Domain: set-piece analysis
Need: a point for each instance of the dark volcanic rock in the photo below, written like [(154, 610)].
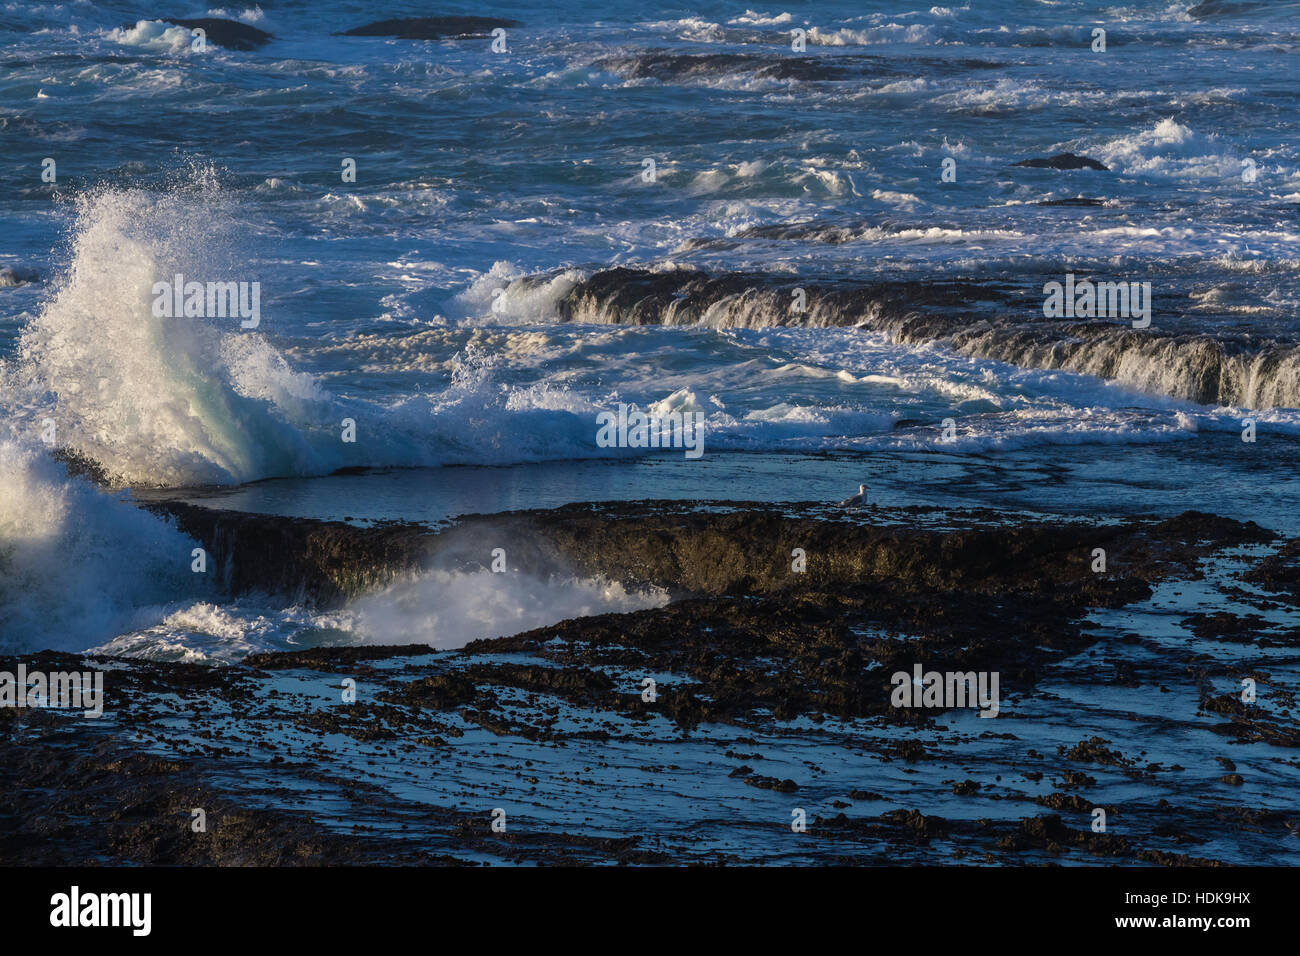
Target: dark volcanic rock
[(324, 561), (772, 783), (1280, 572), (1222, 626), (705, 552), (982, 319), (1062, 161), (685, 297), (1249, 722), (431, 28), (1225, 8), (289, 770), (1094, 750), (741, 609), (665, 66), (228, 33), (80, 466), (668, 66)]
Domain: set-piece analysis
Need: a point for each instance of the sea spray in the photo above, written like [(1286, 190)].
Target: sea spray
[(448, 609), (194, 399), (157, 400), (79, 565)]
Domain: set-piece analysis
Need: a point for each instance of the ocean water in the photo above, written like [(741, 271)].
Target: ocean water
[(423, 300)]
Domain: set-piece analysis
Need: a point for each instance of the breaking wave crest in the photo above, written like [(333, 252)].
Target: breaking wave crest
[(176, 402), (158, 400)]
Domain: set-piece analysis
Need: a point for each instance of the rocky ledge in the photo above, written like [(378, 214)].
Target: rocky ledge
[(753, 719)]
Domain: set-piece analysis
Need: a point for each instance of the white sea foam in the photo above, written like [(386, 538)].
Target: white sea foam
[(154, 35), (204, 632), (253, 14), (482, 300), (752, 18), (157, 400), (1170, 149), (881, 33), (444, 609), (448, 609), (76, 564), (194, 401)]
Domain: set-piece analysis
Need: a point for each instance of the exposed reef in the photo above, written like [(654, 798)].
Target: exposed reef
[(771, 696), (227, 33), (431, 28), (1063, 161)]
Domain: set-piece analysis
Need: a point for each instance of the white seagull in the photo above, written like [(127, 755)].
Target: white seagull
[(857, 500)]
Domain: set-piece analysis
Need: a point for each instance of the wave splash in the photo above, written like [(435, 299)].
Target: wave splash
[(155, 400), (76, 564), (449, 608), (181, 402)]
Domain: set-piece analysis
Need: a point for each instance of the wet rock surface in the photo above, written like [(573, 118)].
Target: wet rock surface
[(993, 319), (1224, 8), (1279, 573), (431, 28), (667, 66), (1073, 201), (1063, 161), (320, 561), (227, 33), (770, 703)]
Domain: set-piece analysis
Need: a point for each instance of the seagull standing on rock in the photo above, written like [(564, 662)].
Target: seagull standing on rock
[(856, 501)]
